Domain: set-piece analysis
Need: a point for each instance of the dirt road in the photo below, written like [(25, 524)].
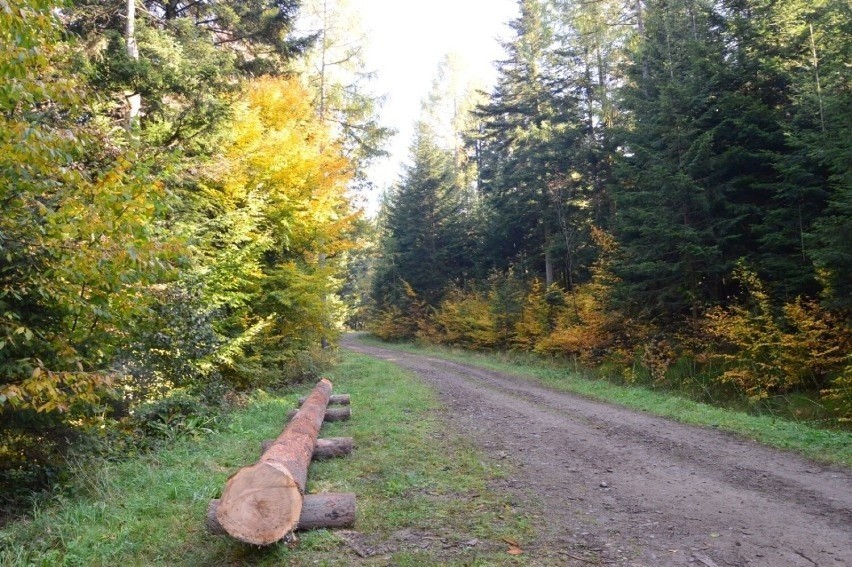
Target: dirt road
[(614, 486)]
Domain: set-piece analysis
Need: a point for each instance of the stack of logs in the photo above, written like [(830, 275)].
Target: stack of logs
[(264, 502)]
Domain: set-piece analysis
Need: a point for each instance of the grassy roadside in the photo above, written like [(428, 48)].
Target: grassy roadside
[(820, 444), (423, 493)]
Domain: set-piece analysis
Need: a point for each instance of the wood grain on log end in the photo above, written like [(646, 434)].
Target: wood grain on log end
[(260, 504)]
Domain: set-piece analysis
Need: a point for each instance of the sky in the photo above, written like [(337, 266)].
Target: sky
[(406, 41)]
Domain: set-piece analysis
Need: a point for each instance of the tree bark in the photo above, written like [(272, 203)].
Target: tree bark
[(261, 503), (134, 99), (324, 449), (334, 399), (330, 510), (331, 414)]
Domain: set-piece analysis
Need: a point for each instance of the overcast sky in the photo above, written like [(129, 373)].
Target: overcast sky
[(407, 40)]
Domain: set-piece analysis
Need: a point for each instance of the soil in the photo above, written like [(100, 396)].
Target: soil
[(607, 485)]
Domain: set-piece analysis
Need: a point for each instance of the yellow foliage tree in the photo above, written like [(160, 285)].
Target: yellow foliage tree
[(584, 327), (281, 224), (412, 319), (840, 392), (534, 322)]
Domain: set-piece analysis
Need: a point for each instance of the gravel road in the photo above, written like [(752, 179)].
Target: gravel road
[(613, 486)]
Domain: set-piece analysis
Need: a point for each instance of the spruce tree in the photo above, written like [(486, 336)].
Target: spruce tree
[(520, 143), (670, 220), (427, 237)]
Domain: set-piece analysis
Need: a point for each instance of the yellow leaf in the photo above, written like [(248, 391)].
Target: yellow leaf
[(513, 550)]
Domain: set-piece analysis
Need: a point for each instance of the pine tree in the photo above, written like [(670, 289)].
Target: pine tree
[(427, 240), (519, 146), (671, 221)]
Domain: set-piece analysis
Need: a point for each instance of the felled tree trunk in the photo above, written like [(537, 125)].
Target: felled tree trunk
[(334, 400), (324, 449), (261, 503), (331, 414), (329, 510)]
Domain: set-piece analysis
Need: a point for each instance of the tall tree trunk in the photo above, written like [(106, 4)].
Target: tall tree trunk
[(815, 60), (640, 27), (548, 257), (134, 99)]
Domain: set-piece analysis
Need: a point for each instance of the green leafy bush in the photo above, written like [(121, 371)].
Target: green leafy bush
[(175, 416)]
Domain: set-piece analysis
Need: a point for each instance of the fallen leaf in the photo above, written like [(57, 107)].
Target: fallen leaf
[(515, 550), (511, 541)]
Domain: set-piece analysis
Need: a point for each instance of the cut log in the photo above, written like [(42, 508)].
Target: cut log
[(330, 510), (331, 414), (261, 503), (334, 400), (333, 447), (324, 449)]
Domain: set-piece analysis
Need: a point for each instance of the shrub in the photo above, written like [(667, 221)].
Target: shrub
[(839, 393), (537, 316), (405, 321), (31, 447), (464, 319), (174, 416), (170, 346), (766, 352), (307, 365)]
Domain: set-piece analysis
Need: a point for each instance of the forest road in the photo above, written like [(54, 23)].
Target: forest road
[(612, 486)]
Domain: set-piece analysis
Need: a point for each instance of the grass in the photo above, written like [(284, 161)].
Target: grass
[(830, 446), (423, 493)]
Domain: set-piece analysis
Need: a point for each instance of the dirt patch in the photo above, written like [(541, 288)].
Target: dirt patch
[(613, 486)]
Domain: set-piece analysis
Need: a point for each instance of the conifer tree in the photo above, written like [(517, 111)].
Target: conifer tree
[(698, 162), (335, 68), (518, 145), (427, 240), (808, 45)]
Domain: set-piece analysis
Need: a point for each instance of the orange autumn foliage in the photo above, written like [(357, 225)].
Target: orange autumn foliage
[(764, 352)]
